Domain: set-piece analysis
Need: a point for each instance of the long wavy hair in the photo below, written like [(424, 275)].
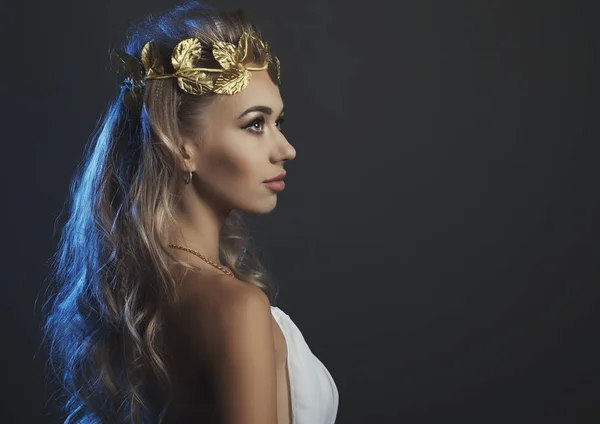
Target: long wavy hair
[(112, 272)]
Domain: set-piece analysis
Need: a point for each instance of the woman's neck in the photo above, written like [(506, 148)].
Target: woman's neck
[(198, 227)]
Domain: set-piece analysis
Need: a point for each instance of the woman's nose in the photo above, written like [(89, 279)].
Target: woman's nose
[(285, 151), (290, 151)]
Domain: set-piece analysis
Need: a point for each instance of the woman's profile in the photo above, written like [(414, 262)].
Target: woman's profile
[(161, 311)]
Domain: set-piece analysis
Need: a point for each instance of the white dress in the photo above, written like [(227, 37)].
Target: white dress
[(313, 392)]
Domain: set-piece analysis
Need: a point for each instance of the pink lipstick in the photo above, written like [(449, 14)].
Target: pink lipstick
[(276, 183)]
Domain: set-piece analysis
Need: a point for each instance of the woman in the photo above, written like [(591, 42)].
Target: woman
[(162, 310)]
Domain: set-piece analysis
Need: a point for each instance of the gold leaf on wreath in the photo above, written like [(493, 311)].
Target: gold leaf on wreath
[(258, 41), (225, 53), (186, 54), (152, 60), (232, 80), (199, 76), (193, 86), (274, 70), (243, 50), (278, 65), (127, 65), (268, 52), (194, 82)]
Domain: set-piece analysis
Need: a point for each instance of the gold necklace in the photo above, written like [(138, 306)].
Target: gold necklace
[(204, 258)]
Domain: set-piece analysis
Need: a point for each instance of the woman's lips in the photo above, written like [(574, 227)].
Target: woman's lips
[(279, 176), (277, 185)]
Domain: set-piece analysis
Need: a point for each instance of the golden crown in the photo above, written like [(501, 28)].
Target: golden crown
[(234, 77)]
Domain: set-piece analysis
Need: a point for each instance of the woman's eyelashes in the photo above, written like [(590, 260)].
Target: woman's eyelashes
[(257, 125)]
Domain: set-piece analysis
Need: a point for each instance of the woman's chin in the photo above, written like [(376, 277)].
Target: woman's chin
[(263, 207)]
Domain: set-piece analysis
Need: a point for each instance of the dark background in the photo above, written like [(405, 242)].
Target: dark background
[(438, 240)]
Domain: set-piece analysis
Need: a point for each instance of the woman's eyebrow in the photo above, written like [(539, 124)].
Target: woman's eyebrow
[(259, 108)]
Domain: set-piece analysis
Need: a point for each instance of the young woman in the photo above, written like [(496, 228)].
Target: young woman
[(162, 311)]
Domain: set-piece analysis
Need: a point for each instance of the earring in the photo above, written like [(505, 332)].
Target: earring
[(187, 178)]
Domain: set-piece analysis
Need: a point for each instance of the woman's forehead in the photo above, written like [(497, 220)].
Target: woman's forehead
[(260, 91)]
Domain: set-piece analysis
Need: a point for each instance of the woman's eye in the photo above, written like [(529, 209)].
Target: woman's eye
[(279, 123), (256, 125)]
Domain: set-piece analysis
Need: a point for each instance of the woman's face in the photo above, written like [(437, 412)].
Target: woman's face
[(240, 145)]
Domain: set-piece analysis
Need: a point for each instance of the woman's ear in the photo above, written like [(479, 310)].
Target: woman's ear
[(188, 152)]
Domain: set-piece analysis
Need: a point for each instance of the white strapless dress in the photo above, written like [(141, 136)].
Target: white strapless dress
[(313, 392)]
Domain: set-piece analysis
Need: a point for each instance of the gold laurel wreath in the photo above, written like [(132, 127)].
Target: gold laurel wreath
[(234, 77)]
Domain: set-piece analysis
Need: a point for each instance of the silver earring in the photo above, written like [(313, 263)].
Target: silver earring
[(187, 178)]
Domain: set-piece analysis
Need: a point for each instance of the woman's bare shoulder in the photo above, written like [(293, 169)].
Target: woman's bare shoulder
[(216, 293), (213, 305), (230, 326)]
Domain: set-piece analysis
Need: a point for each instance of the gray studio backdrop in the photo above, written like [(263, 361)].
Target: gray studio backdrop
[(437, 243)]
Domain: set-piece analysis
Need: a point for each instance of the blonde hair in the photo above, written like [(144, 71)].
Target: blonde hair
[(111, 276)]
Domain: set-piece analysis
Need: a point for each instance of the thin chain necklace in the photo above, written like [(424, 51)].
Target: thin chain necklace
[(204, 258)]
